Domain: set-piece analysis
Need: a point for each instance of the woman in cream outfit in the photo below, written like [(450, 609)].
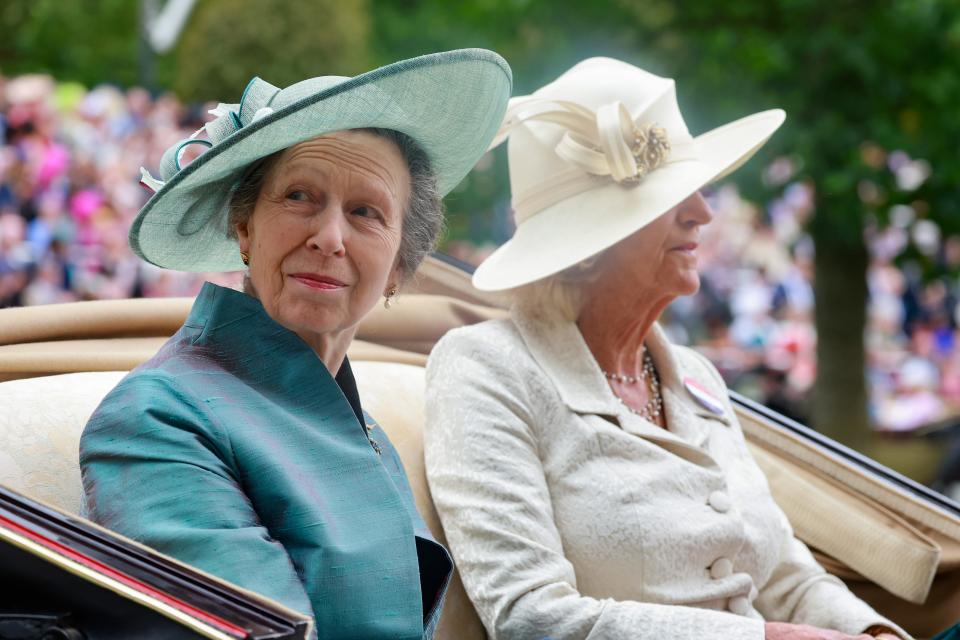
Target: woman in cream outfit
[(592, 478)]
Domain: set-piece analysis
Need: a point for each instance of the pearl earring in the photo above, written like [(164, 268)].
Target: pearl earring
[(388, 301)]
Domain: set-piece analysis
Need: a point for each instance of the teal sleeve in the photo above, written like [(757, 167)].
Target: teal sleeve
[(158, 469)]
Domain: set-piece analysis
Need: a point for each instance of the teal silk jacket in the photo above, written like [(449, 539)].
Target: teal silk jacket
[(235, 450)]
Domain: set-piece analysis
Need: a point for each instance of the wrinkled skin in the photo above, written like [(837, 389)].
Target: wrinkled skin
[(324, 235)]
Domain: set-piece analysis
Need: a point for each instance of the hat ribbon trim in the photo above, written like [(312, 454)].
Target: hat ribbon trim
[(228, 119), (602, 145), (605, 142), (559, 187)]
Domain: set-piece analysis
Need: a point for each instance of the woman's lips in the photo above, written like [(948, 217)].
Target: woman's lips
[(318, 282), (689, 247)]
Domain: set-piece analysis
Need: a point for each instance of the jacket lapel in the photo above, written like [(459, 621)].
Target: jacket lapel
[(562, 353)]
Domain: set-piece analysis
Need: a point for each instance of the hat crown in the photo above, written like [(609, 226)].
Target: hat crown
[(599, 81), (260, 99), (535, 147)]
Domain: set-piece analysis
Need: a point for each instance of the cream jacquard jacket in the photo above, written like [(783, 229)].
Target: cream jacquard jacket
[(571, 518)]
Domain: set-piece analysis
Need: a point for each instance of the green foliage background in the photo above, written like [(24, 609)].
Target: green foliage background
[(230, 41), (88, 41)]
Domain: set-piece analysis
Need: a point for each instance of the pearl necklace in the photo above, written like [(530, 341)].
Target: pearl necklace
[(654, 407)]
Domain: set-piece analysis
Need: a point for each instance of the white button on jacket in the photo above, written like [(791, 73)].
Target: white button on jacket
[(721, 568), (720, 501), (739, 605), (571, 518)]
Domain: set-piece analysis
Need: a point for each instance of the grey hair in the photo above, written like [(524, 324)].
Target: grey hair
[(423, 214), (560, 295)]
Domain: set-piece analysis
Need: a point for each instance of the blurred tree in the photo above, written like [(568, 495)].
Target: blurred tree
[(87, 41), (227, 42), (539, 38)]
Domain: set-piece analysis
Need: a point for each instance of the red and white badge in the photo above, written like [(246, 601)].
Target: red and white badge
[(704, 397)]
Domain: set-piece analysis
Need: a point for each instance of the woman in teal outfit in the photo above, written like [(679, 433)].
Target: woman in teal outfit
[(241, 447)]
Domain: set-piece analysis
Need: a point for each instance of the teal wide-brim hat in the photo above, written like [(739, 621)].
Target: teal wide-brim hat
[(450, 103)]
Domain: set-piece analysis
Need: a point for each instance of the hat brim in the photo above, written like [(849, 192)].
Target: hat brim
[(450, 103), (583, 225)]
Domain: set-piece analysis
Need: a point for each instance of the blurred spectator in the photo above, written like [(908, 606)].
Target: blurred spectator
[(69, 168), (915, 401)]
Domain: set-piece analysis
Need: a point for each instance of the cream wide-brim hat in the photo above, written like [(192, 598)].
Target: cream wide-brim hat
[(584, 173), (450, 103)]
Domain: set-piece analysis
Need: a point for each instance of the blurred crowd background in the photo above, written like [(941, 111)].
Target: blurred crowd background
[(69, 171), (831, 274)]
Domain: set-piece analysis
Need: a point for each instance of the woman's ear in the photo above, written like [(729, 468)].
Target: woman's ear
[(395, 279), (243, 235)]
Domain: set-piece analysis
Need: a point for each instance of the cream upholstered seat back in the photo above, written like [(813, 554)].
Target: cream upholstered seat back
[(40, 428), (393, 394), (43, 417)]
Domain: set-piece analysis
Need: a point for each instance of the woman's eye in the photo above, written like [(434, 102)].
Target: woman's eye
[(364, 212), (299, 196)]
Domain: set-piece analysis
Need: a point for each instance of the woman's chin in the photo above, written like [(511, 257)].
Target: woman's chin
[(311, 317), (688, 286)]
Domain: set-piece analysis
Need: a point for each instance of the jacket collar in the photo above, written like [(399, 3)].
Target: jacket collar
[(255, 346), (559, 348), (228, 316)]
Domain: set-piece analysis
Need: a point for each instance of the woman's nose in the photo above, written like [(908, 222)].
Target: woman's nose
[(328, 233), (694, 211)]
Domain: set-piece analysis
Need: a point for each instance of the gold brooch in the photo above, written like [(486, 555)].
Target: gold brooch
[(650, 149)]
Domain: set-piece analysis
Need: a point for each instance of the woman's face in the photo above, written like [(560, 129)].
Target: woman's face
[(324, 233), (659, 260)]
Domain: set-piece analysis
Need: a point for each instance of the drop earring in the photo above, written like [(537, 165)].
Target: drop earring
[(388, 300), (245, 257)]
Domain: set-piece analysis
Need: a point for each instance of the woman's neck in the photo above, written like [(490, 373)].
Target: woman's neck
[(615, 329), (331, 347)]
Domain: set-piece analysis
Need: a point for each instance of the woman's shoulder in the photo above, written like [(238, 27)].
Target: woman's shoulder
[(155, 392), (158, 377), (144, 388), (484, 340), (488, 356)]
